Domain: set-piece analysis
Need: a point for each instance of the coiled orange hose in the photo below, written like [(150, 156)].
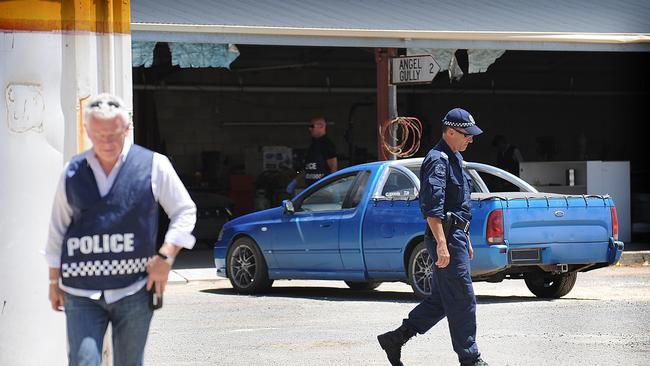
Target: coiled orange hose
[(406, 132)]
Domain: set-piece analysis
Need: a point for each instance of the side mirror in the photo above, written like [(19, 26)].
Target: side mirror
[(288, 206)]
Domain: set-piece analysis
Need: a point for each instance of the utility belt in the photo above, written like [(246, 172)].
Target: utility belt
[(452, 221), (455, 221)]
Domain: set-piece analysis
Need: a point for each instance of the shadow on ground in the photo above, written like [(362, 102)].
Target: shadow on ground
[(343, 294)]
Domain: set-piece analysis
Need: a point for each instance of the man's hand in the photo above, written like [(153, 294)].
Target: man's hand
[(469, 246), (56, 297), (158, 271), (435, 224), (443, 255)]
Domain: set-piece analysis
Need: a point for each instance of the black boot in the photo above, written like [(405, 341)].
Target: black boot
[(478, 362), (393, 341)]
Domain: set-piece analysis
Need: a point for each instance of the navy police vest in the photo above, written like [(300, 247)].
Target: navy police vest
[(110, 238)]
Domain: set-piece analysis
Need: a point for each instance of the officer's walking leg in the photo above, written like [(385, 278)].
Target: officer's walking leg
[(431, 310), (462, 323), (421, 318), (460, 302)]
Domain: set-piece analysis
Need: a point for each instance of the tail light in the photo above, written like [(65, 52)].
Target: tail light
[(614, 223), (494, 231)]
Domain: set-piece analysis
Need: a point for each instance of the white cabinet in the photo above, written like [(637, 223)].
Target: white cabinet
[(590, 177)]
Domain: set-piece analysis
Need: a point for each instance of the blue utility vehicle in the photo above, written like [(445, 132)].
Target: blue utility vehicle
[(363, 225)]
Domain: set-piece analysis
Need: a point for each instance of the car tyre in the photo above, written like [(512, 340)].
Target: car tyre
[(363, 285), (247, 270), (551, 287), (420, 270)]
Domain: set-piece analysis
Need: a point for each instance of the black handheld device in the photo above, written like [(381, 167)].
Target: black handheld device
[(155, 301), (446, 223)]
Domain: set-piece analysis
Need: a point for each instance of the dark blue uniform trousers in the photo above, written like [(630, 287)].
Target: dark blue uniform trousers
[(452, 295)]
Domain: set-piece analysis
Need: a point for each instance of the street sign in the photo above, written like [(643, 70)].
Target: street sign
[(414, 69)]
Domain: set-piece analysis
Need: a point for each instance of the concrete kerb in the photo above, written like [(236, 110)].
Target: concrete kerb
[(175, 278), (641, 257), (181, 276)]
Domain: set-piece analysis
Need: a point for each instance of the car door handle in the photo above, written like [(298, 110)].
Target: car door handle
[(326, 224)]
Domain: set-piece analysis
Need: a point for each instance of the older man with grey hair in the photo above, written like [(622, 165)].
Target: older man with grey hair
[(101, 249)]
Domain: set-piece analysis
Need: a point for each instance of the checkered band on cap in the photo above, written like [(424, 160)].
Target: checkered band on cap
[(468, 122), (456, 124), (104, 267)]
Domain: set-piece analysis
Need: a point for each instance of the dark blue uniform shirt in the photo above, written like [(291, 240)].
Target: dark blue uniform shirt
[(444, 186), (320, 151)]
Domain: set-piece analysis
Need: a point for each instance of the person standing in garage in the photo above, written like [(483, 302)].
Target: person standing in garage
[(508, 155), (320, 159), (445, 203), (101, 245), (508, 158)]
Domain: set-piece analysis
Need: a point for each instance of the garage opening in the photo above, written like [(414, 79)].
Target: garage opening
[(238, 135)]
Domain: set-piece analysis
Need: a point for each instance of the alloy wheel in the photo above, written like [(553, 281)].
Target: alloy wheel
[(243, 266), (421, 272)]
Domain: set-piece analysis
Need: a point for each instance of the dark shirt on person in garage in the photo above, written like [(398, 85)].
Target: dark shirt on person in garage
[(316, 167)]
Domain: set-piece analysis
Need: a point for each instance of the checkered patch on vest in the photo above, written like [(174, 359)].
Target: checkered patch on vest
[(104, 267)]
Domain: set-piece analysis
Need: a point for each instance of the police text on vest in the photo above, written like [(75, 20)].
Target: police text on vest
[(109, 243)]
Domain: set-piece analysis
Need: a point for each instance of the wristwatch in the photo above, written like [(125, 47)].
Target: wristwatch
[(166, 258)]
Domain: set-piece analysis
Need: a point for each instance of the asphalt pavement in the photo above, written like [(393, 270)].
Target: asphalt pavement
[(602, 321)]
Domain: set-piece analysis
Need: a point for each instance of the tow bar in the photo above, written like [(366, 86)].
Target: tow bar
[(561, 268)]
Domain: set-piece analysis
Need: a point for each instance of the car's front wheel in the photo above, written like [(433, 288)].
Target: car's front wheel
[(551, 287), (363, 285), (247, 270), (420, 270)]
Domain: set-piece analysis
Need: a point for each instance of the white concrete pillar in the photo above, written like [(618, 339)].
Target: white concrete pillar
[(53, 56)]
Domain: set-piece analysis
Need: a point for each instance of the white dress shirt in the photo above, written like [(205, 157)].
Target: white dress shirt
[(167, 189)]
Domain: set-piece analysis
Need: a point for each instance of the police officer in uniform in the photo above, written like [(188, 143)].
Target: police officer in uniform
[(320, 159), (101, 249), (445, 202)]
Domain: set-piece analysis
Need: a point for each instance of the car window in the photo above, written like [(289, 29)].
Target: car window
[(359, 190), (398, 185), (330, 196), (414, 168), (497, 184)]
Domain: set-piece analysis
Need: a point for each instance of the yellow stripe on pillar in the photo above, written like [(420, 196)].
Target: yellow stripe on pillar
[(100, 16)]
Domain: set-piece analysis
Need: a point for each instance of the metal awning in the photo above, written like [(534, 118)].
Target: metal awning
[(570, 25)]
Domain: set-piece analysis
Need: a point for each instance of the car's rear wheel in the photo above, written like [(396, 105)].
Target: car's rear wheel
[(247, 270), (420, 270), (551, 287), (363, 285)]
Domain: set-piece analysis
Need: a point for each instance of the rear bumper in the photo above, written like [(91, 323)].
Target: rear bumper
[(489, 260), (615, 250), (574, 253), (220, 261)]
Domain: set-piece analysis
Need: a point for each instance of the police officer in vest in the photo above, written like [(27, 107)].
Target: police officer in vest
[(101, 245), (445, 202)]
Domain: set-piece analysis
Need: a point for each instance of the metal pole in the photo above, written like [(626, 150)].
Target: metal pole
[(392, 114)]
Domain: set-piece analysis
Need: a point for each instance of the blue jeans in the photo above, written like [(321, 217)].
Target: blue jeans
[(87, 320)]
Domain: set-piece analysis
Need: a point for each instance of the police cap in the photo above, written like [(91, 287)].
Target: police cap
[(460, 118)]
